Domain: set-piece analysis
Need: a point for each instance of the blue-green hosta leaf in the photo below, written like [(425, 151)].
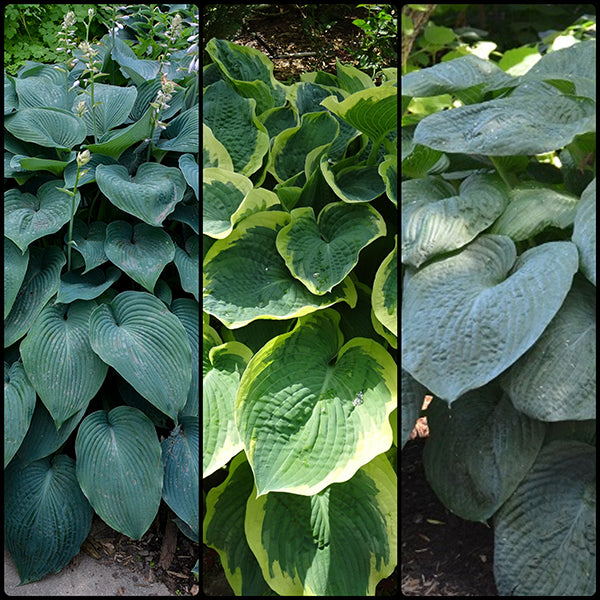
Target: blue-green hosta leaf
[(385, 291), (181, 134), (48, 127), (545, 533), (75, 285), (113, 105), (188, 265), (479, 451), (89, 242), (223, 367), (120, 448), (534, 208), (292, 146), (584, 231), (245, 278), (468, 317), (141, 251), (139, 70), (28, 217), (534, 119), (339, 542), (41, 282), (411, 400), (233, 122), (191, 172), (322, 252), (56, 167), (556, 379), (46, 517), (59, 361), (435, 221), (222, 195), (223, 530), (318, 420), (15, 267), (147, 345), (181, 467), (19, 404), (373, 111), (151, 195)]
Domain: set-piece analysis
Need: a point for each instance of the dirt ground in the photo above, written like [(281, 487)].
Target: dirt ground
[(441, 554)]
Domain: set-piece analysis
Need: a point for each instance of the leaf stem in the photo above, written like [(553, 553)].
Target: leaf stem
[(501, 171)]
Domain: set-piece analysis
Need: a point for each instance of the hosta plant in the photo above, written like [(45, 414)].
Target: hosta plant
[(101, 303), (300, 325), (499, 305)]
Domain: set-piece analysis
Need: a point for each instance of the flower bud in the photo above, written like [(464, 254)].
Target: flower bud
[(83, 158)]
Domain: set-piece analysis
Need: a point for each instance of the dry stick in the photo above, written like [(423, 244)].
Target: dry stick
[(419, 19)]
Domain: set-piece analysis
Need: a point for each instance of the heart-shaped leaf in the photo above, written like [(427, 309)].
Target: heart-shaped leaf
[(46, 517), (151, 195), (147, 345), (468, 317), (59, 361), (120, 448), (85, 286), (141, 251), (28, 217), (89, 242), (327, 417), (584, 231), (321, 253), (188, 265)]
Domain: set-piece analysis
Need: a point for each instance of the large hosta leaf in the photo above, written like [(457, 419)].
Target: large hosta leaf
[(413, 394), (28, 217), (322, 252), (59, 361), (188, 265), (147, 345), (556, 379), (245, 278), (385, 291), (141, 251), (90, 243), (545, 534), (181, 465), (15, 267), (338, 542), (436, 220), (75, 285), (151, 195), (48, 127), (324, 415), (19, 404), (46, 517), (534, 119), (120, 449), (479, 451), (584, 232), (468, 317)]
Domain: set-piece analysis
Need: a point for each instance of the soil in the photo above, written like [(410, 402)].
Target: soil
[(441, 554), (162, 541)]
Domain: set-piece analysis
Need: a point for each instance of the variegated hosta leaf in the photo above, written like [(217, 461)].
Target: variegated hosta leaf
[(233, 122), (46, 517), (223, 368), (436, 222), (245, 278), (385, 291), (28, 217), (214, 154), (323, 415), (181, 481), (48, 127), (584, 232), (468, 317), (556, 379), (59, 360), (15, 267), (120, 448), (388, 170), (147, 345), (478, 451), (151, 195), (223, 530), (141, 251), (19, 404), (41, 282), (322, 252), (339, 542)]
